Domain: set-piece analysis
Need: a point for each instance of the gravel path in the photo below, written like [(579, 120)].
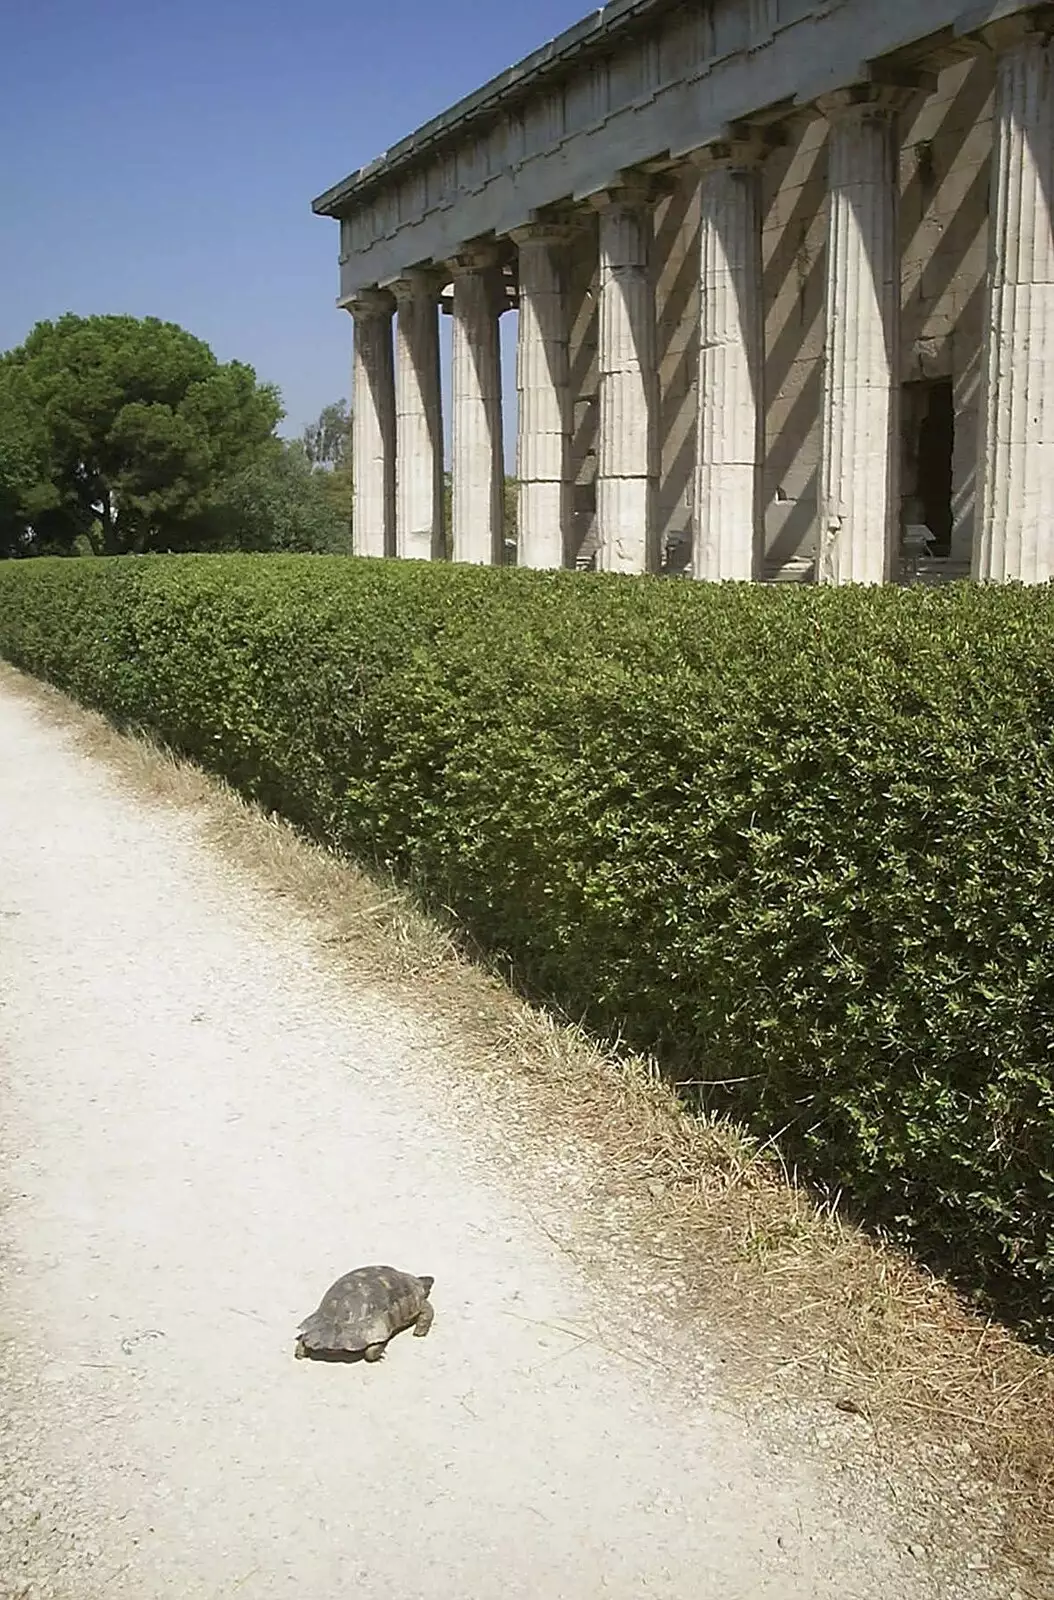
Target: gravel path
[(201, 1127)]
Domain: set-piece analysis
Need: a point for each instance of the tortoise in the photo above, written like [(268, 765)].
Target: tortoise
[(363, 1310)]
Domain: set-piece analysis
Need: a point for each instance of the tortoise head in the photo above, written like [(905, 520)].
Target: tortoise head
[(426, 1285)]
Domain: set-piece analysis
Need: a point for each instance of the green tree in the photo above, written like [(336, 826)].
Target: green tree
[(327, 445), (275, 502), (28, 501), (18, 471), (129, 427), (512, 510)]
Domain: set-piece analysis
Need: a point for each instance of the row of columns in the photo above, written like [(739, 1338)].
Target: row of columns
[(397, 422)]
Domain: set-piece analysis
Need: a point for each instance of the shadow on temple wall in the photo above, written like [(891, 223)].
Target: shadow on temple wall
[(793, 289), (945, 175), (933, 146), (677, 349), (944, 206), (944, 209), (931, 151), (790, 526), (582, 286), (426, 361), (967, 446), (640, 316)]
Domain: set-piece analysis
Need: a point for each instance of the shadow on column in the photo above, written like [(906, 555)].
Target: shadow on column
[(427, 370), (583, 319), (677, 359), (793, 295)]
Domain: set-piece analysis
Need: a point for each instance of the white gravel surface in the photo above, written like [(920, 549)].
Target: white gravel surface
[(200, 1127)]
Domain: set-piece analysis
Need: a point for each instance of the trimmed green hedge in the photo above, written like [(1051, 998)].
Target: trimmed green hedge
[(800, 839)]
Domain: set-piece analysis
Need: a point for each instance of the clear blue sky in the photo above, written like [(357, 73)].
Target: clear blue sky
[(160, 159)]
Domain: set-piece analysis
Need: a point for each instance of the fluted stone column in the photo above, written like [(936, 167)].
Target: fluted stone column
[(1015, 512), (627, 427), (477, 463), (373, 425), (418, 419), (730, 428), (543, 382), (859, 513)]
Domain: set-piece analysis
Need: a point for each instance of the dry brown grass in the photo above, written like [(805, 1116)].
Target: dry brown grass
[(812, 1312)]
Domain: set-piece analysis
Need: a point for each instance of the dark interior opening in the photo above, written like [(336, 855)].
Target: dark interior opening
[(930, 420)]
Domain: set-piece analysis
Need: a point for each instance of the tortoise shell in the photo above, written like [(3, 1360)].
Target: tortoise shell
[(363, 1310)]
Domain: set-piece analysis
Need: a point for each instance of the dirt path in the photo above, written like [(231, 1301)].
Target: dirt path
[(200, 1128)]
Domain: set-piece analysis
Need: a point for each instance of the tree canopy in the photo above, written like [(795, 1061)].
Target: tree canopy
[(327, 445), (120, 434), (276, 502)]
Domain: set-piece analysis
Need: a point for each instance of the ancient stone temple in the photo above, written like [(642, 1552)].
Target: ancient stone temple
[(784, 278)]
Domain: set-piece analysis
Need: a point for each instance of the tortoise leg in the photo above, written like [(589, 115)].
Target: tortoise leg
[(373, 1352), (425, 1320), (301, 1350)]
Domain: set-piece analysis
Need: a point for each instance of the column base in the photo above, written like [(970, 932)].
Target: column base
[(541, 520), (625, 514)]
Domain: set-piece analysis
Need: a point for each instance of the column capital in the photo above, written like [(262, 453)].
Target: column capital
[(545, 231), (367, 303), (476, 257), (881, 97), (418, 283), (631, 191), (742, 145), (1035, 23)]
